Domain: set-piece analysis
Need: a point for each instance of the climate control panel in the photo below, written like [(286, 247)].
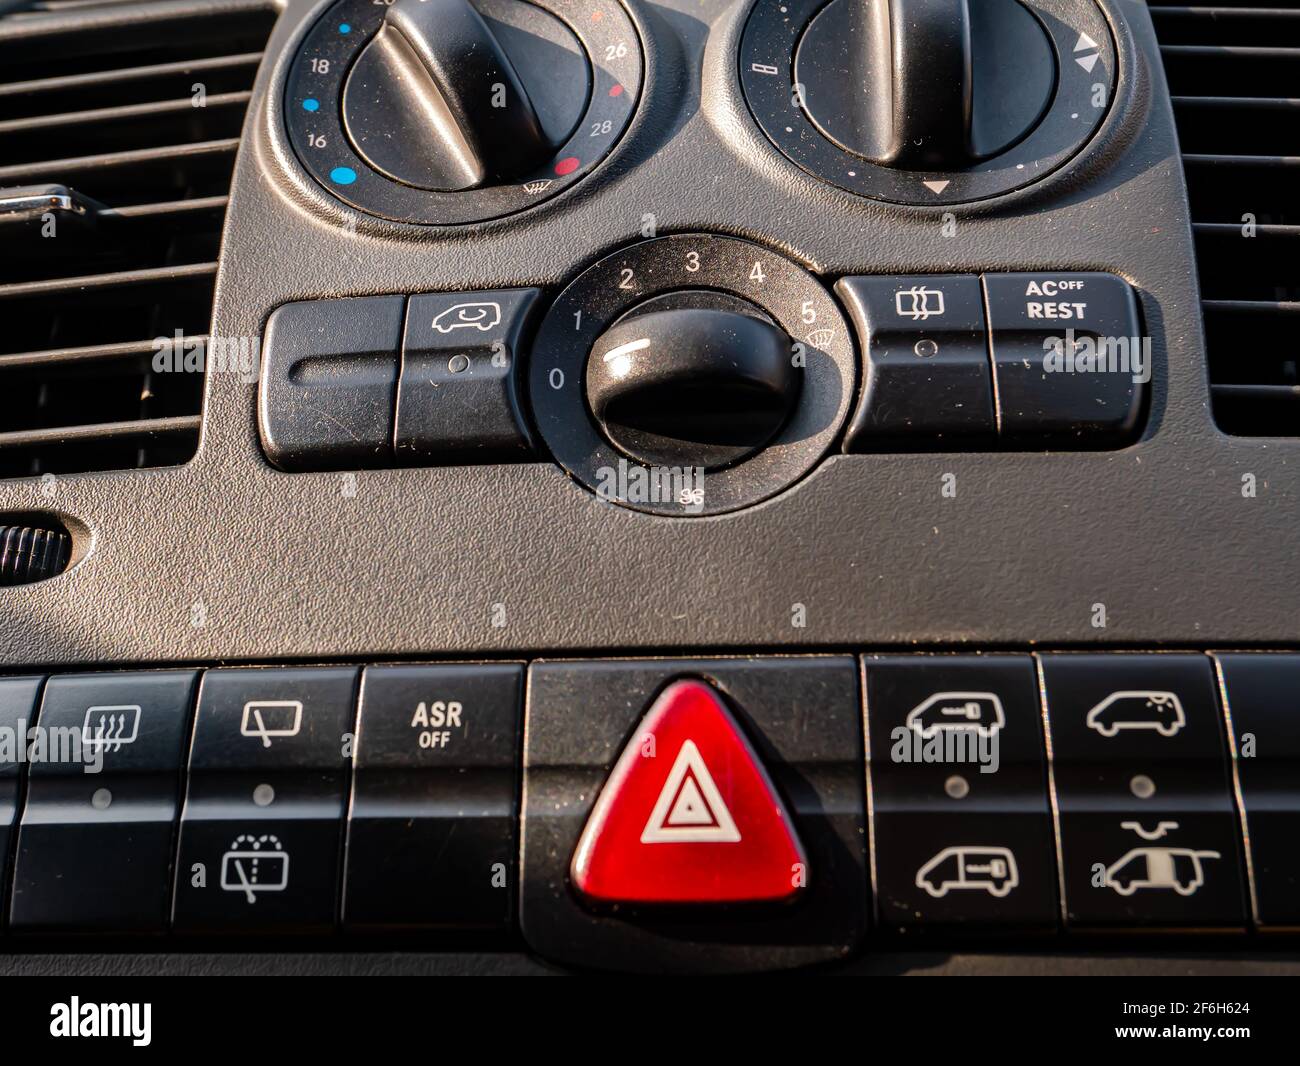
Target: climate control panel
[(697, 374)]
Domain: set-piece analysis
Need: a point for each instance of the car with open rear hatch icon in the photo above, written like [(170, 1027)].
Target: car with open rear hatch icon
[(1180, 869)]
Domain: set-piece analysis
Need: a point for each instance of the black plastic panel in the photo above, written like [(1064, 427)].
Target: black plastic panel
[(1182, 539)]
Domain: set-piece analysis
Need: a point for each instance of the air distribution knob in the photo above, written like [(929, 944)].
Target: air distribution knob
[(450, 95), (693, 378), (925, 84)]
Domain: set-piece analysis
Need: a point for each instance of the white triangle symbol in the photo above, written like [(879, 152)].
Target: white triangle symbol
[(936, 186), (690, 809), (1088, 62), (1085, 42)]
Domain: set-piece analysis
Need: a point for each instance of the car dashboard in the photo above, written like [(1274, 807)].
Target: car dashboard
[(698, 486)]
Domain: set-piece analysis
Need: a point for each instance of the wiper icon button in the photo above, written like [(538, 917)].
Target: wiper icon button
[(271, 718)]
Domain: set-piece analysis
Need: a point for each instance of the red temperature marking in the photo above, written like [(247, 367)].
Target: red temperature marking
[(567, 165)]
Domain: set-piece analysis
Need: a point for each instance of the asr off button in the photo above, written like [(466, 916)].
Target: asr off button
[(1070, 362), (433, 824)]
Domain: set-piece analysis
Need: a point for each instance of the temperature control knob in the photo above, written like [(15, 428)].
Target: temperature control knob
[(446, 112), (445, 97)]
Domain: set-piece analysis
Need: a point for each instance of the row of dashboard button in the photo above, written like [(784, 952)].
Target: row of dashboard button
[(387, 797), (957, 360), (422, 761), (377, 380), (950, 361), (1146, 825)]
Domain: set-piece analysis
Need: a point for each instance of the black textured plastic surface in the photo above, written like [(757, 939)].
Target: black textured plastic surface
[(1160, 533), (224, 557)]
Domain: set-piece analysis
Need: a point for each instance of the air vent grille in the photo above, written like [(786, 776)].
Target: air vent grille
[(119, 123), (1234, 72)]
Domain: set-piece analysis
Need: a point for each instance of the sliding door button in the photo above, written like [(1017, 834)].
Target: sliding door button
[(95, 843), (1263, 693), (1149, 830), (961, 828), (433, 830), (262, 825)]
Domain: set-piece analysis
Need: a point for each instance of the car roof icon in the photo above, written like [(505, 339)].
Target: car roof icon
[(1166, 712)]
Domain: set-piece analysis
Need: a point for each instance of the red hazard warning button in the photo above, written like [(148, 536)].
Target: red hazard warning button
[(689, 814)]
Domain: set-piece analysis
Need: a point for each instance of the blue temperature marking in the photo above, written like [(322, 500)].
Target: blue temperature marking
[(343, 175), (344, 28), (311, 104)]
